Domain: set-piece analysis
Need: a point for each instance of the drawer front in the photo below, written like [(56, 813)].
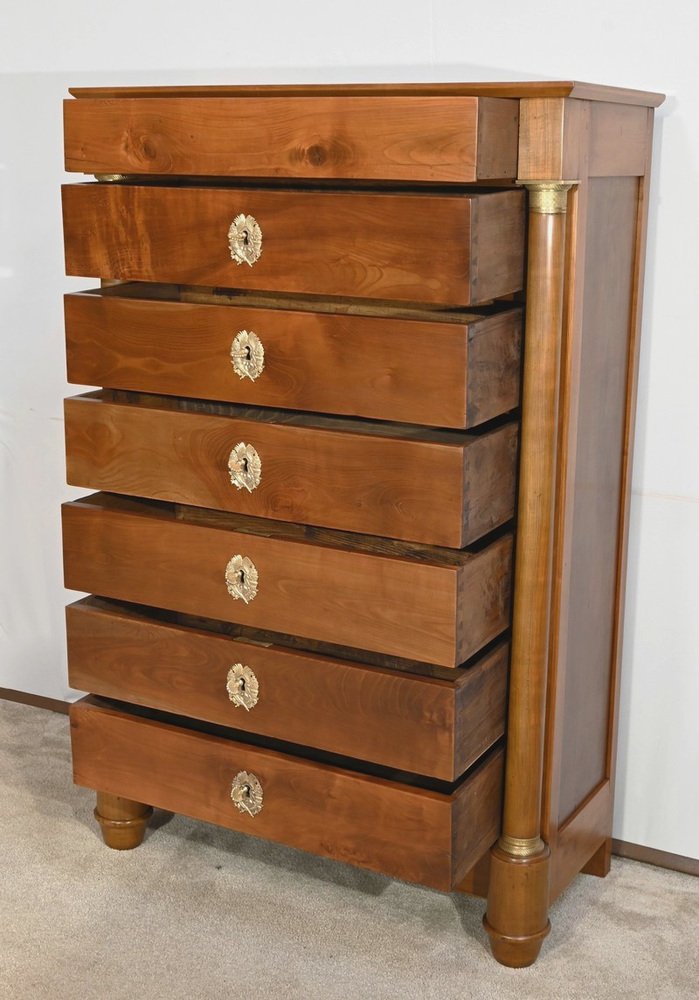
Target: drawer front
[(455, 374), (442, 139), (438, 488), (413, 247), (399, 830), (431, 605), (399, 720)]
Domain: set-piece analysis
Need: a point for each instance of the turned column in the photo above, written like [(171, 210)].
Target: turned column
[(122, 821), (517, 914)]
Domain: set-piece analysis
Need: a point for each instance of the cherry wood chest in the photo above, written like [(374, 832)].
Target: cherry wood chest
[(365, 360)]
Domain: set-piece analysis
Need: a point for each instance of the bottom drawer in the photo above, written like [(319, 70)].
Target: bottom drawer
[(415, 834)]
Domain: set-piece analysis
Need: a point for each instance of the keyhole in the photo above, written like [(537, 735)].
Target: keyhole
[(241, 684), (246, 237)]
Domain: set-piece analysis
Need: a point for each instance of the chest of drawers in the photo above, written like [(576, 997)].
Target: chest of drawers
[(366, 359)]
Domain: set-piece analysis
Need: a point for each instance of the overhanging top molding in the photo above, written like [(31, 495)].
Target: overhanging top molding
[(581, 91)]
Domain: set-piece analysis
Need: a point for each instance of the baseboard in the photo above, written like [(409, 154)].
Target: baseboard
[(650, 856), (35, 700)]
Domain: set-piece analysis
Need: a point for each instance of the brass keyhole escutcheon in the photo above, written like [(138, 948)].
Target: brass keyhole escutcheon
[(246, 793), (245, 467), (242, 686), (245, 240), (247, 355), (241, 578)]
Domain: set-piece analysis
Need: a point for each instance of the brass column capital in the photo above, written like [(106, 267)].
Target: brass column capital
[(548, 197)]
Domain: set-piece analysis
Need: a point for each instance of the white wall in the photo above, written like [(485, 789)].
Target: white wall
[(45, 47)]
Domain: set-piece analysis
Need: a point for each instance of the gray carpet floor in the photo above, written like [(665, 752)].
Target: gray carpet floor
[(199, 912)]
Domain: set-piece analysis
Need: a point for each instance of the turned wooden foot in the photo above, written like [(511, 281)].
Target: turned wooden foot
[(517, 917), (122, 821), (601, 861)]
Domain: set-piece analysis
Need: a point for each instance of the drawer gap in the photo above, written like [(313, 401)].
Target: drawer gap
[(297, 418), (491, 185), (287, 530), (244, 633), (295, 750), (336, 305)]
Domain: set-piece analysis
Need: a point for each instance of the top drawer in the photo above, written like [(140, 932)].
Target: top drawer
[(413, 139)]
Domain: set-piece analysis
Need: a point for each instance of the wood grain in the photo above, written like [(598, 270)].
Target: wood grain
[(405, 247), (596, 501), (579, 837), (122, 821), (521, 89), (439, 608), (418, 724), (399, 830), (383, 367), (535, 526), (437, 139), (397, 482), (618, 140)]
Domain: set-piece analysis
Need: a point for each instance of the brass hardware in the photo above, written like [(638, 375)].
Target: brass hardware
[(246, 793), (521, 847), (247, 355), (548, 197), (245, 467), (241, 579), (109, 178), (242, 686), (245, 240)]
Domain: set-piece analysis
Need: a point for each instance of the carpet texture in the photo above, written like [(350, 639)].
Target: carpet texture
[(199, 912)]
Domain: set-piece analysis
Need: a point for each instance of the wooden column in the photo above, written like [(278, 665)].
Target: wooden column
[(517, 916)]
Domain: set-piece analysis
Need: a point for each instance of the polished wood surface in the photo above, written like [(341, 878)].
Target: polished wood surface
[(579, 838), (518, 901), (596, 499), (618, 141), (530, 626), (382, 825), (435, 605), (522, 89), (516, 919), (605, 246), (594, 816), (411, 247), (419, 724), (383, 367), (413, 138), (409, 483), (365, 305), (122, 821)]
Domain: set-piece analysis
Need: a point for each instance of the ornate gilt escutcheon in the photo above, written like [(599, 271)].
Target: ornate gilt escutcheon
[(246, 793), (245, 240), (241, 578), (242, 686), (245, 467), (247, 355)]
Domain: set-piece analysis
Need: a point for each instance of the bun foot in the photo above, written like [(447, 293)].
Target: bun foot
[(122, 821)]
